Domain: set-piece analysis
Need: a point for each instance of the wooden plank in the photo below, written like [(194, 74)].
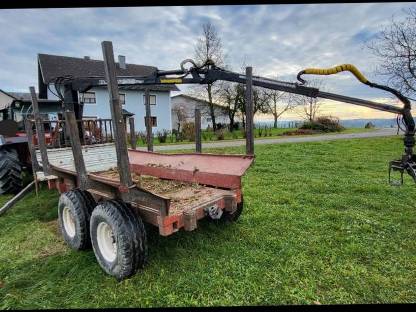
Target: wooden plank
[(32, 150), (76, 148), (133, 138), (9, 204), (40, 131), (198, 143), (249, 112), (117, 116), (149, 133)]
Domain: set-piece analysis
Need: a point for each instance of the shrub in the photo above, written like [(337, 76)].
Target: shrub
[(220, 134), (260, 131), (162, 136), (188, 131), (369, 125), (323, 124), (142, 136), (301, 132)]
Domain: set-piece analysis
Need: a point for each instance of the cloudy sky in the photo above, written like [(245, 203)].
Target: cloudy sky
[(277, 40)]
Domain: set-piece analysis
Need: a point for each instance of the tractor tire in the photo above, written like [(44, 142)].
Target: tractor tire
[(74, 212), (232, 217), (118, 239), (10, 171)]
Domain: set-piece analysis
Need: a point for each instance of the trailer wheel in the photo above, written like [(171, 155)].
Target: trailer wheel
[(118, 239), (232, 217), (10, 171), (74, 211)]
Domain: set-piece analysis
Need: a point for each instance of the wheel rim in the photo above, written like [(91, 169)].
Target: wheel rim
[(106, 241), (69, 222)]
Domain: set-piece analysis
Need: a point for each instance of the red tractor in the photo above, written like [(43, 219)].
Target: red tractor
[(14, 154)]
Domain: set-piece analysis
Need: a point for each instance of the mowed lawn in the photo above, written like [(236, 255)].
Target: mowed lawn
[(320, 225)]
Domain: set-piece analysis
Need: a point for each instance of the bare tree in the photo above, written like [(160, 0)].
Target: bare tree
[(278, 103), (181, 117), (310, 106), (260, 99), (395, 47), (209, 47), (231, 99)]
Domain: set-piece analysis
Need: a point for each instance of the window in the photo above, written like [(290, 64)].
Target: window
[(209, 119), (153, 121), (87, 97), (152, 99), (122, 99)]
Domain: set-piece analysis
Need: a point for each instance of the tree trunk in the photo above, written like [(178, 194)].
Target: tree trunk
[(275, 121), (231, 124)]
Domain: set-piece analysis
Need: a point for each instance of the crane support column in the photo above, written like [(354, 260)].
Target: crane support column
[(249, 112)]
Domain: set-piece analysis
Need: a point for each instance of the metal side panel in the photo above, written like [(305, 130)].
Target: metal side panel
[(97, 157)]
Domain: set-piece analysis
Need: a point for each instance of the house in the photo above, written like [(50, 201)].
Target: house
[(183, 107), (96, 100), (15, 105)]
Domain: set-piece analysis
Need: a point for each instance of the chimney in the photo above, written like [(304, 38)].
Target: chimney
[(122, 61), (86, 57)]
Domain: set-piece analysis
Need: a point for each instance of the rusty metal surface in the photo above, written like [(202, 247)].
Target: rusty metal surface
[(210, 169), (216, 170)]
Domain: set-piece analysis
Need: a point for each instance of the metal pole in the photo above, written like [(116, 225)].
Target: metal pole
[(198, 144), (117, 117), (249, 112), (148, 122)]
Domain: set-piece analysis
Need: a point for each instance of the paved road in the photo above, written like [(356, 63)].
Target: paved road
[(315, 138)]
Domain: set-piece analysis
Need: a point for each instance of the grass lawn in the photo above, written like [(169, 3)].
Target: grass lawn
[(320, 225), (209, 136)]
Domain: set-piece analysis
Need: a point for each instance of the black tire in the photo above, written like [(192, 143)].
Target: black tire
[(127, 251), (74, 212), (232, 217), (10, 171)]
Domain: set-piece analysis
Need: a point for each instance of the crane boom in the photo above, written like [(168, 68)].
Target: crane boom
[(209, 73)]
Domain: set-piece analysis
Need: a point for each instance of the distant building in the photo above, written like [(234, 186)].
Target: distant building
[(96, 100), (15, 105), (187, 104)]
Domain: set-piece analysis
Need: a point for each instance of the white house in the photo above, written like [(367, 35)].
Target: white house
[(186, 105), (96, 100)]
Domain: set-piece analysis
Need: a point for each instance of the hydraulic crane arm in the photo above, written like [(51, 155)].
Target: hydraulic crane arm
[(209, 73)]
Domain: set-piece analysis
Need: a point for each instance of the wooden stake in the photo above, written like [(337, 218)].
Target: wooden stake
[(198, 144), (148, 122), (117, 117)]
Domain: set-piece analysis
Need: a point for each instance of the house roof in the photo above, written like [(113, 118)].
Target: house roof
[(53, 66), (199, 100), (21, 97), (127, 113)]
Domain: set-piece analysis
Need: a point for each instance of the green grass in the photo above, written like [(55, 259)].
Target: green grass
[(209, 136), (320, 224)]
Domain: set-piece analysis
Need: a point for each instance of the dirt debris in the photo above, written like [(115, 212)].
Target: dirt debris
[(158, 165), (164, 187)]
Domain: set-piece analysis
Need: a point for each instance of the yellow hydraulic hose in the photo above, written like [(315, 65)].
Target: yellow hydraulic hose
[(334, 70), (354, 70)]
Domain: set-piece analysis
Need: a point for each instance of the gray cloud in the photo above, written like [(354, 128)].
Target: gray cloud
[(277, 40)]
